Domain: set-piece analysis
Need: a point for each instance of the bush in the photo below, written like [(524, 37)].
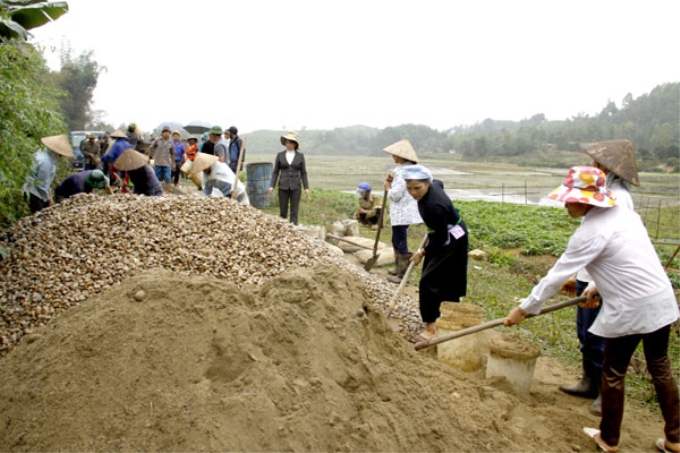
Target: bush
[(28, 111)]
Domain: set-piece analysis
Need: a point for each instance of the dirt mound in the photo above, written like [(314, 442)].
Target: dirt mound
[(66, 254), (304, 362)]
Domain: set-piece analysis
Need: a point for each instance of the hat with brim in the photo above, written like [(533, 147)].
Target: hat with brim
[(192, 137), (291, 136), (216, 130), (96, 179), (585, 185), (130, 160), (618, 156), (202, 161), (403, 149), (118, 134), (59, 144)]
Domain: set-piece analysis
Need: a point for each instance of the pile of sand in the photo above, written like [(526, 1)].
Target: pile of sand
[(304, 362)]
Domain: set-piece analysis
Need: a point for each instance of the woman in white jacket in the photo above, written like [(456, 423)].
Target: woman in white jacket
[(403, 208)]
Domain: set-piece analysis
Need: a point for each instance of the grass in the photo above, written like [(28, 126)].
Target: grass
[(522, 243)]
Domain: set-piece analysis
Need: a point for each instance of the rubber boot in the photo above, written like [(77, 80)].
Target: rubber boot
[(395, 270), (585, 388), (596, 407), (402, 265)]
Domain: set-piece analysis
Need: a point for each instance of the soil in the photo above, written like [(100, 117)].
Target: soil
[(304, 362)]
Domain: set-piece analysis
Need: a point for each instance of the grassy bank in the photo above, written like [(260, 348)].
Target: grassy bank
[(522, 243)]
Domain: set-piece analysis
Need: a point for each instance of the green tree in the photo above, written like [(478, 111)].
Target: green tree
[(77, 78), (29, 110), (19, 16)]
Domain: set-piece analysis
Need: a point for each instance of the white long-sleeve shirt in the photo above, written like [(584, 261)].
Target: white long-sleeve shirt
[(222, 178), (623, 199), (613, 245), (403, 207)]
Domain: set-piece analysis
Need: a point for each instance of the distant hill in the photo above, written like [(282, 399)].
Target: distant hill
[(651, 122)]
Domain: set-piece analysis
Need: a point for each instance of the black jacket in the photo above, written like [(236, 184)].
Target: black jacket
[(438, 213), (291, 175)]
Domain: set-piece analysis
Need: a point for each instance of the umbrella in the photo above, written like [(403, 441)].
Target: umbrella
[(198, 127), (173, 125)]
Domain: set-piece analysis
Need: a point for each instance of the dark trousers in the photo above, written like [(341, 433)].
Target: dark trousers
[(617, 355), (370, 220), (592, 346), (36, 203), (400, 239), (89, 166), (176, 172), (294, 197)]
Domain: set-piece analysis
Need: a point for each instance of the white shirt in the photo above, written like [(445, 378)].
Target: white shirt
[(623, 199), (220, 171), (290, 155), (613, 245), (403, 207)]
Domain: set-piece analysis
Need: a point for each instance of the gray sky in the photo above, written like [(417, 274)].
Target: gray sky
[(264, 64)]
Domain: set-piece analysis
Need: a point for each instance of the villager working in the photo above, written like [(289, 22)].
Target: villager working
[(82, 182), (92, 152), (218, 175), (290, 166), (606, 155), (370, 206), (38, 182), (403, 208), (638, 300), (444, 275), (141, 174)]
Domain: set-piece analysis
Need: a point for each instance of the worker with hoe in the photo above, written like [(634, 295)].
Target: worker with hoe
[(370, 206), (444, 276), (638, 303), (218, 175), (38, 182), (82, 182), (616, 159), (121, 144), (141, 174), (403, 208)]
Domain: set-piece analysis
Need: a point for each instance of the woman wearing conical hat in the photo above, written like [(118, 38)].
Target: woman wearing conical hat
[(403, 208), (290, 171), (616, 159), (38, 182), (141, 174)]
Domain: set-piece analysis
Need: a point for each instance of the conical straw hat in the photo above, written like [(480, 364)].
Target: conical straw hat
[(130, 160), (118, 134), (618, 156), (201, 162), (402, 149), (59, 144)]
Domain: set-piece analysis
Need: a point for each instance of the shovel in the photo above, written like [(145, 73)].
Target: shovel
[(372, 260), (494, 323), (394, 322), (356, 244)]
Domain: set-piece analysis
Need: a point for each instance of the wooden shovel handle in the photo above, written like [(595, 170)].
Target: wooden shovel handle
[(395, 296), (380, 224), (494, 323), (356, 244)]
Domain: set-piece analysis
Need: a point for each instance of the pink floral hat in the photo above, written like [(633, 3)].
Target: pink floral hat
[(584, 185)]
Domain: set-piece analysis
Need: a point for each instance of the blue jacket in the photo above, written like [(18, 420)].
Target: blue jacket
[(116, 150)]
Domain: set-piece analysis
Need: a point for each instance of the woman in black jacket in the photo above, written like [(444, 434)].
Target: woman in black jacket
[(444, 277), (290, 166)]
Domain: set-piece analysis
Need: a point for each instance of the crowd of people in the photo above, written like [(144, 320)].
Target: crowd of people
[(609, 259)]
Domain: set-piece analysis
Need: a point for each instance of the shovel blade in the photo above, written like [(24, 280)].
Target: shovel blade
[(395, 323), (371, 262)]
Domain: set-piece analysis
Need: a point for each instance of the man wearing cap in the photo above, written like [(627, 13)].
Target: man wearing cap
[(180, 156), (370, 206), (92, 152), (132, 135), (38, 182), (82, 182), (220, 145), (638, 305), (163, 153), (235, 148), (218, 175), (617, 155), (141, 174)]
